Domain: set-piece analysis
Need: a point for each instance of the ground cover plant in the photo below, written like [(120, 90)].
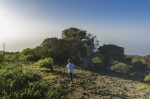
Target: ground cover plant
[(17, 82), (23, 81)]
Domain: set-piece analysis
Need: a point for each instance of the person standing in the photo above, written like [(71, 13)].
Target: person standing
[(70, 67)]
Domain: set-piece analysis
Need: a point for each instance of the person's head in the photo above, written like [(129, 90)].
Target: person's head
[(69, 61)]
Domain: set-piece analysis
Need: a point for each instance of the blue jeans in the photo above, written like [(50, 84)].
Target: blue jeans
[(70, 75)]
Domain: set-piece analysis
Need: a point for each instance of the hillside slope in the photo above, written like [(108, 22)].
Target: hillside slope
[(108, 87), (88, 85)]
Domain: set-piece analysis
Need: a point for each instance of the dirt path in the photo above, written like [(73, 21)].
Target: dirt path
[(89, 86), (118, 88)]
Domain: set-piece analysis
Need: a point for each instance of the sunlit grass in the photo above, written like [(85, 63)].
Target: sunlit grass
[(85, 80)]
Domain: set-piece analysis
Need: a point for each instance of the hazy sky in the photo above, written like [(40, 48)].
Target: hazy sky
[(26, 23)]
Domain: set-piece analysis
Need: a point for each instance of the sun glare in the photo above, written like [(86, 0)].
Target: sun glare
[(7, 25)]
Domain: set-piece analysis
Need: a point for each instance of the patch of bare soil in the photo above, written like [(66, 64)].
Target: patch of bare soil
[(89, 85)]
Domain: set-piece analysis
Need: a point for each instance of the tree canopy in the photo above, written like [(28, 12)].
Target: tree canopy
[(72, 45), (112, 53), (60, 49), (74, 33)]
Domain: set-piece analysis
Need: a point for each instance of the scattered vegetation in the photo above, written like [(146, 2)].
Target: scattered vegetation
[(27, 74), (16, 82)]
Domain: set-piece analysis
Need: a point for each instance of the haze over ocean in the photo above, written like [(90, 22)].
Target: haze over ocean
[(26, 23)]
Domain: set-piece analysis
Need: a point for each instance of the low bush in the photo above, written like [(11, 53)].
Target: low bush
[(13, 79), (97, 63), (11, 57), (47, 63), (57, 92), (147, 78), (121, 67), (17, 83)]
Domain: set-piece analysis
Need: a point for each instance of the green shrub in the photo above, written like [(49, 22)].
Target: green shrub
[(18, 83), (13, 79), (136, 58), (34, 90), (96, 62), (56, 92), (11, 58), (28, 54), (147, 78), (121, 67), (23, 58), (47, 62), (146, 60), (16, 77)]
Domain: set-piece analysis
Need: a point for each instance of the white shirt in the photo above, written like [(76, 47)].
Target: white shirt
[(70, 67)]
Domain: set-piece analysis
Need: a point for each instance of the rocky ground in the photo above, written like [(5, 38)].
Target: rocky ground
[(112, 86), (102, 85)]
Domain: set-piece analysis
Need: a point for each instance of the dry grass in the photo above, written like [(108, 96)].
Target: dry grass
[(88, 85)]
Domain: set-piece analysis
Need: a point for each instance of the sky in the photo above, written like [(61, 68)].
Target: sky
[(125, 23)]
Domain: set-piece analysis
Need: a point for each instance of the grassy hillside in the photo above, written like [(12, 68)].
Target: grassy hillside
[(21, 81)]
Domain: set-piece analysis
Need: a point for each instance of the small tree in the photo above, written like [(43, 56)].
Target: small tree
[(113, 53)]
